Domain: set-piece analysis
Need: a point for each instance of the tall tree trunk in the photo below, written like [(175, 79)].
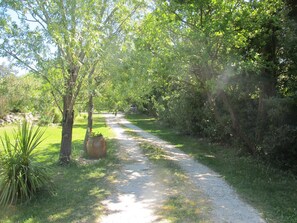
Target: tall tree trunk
[(90, 120), (68, 114), (67, 125)]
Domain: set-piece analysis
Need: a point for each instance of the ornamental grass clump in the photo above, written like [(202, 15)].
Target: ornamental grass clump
[(20, 175)]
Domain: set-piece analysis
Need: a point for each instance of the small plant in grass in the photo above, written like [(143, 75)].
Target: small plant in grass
[(96, 134), (20, 175)]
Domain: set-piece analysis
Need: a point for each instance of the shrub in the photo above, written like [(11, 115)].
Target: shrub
[(183, 109), (20, 176), (280, 147), (44, 120), (51, 116)]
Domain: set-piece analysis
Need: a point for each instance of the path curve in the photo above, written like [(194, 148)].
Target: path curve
[(226, 204)]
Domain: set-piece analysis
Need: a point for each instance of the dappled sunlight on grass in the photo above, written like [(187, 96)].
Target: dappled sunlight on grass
[(97, 174), (78, 193), (60, 215), (179, 208), (79, 187)]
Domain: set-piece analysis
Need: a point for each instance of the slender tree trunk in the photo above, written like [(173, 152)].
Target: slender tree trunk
[(90, 120), (67, 125), (90, 107)]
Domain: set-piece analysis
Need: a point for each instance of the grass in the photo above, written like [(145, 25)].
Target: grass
[(181, 205), (273, 192), (79, 187)]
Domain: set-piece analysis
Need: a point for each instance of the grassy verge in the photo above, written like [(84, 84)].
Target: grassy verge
[(79, 187), (272, 191)]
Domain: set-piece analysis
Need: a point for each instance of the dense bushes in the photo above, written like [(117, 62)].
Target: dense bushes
[(183, 111), (52, 115), (280, 147), (239, 124), (231, 80)]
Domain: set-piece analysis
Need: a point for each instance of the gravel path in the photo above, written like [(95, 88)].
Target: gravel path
[(139, 195)]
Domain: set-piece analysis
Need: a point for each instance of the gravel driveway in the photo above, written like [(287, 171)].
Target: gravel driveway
[(139, 194)]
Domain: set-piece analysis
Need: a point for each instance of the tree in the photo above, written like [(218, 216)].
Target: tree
[(5, 74), (60, 41), (14, 90), (230, 56)]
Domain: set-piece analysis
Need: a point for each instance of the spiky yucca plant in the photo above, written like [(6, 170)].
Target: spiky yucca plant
[(20, 175)]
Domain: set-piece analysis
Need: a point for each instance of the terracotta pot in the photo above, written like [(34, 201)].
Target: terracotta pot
[(96, 147)]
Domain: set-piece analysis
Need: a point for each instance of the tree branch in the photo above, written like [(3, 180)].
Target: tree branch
[(56, 101), (184, 21)]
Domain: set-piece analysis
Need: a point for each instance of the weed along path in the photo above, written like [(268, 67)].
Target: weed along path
[(148, 191)]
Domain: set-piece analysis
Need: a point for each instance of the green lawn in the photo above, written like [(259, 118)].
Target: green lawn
[(79, 187), (272, 191)]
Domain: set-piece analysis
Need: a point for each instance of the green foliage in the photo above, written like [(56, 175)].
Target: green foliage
[(50, 116), (79, 203), (232, 80), (225, 70), (20, 176), (183, 109), (153, 152), (19, 93), (270, 190), (280, 147), (96, 134), (214, 129), (65, 46)]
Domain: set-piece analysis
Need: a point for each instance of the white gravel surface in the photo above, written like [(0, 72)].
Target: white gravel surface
[(139, 194)]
